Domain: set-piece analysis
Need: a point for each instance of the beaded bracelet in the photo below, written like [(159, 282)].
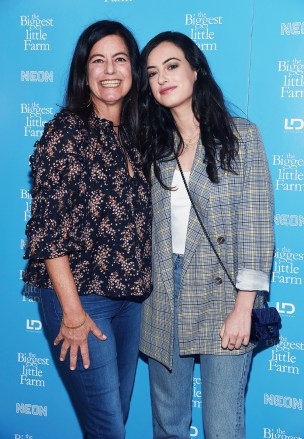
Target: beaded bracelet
[(76, 326)]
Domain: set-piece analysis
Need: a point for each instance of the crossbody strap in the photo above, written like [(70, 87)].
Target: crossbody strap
[(203, 227)]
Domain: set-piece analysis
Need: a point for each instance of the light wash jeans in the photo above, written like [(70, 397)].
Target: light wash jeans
[(102, 393), (224, 380)]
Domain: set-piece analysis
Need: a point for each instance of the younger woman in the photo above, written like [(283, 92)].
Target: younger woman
[(194, 309)]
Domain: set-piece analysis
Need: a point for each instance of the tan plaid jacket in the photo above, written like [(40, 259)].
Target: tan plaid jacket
[(238, 215)]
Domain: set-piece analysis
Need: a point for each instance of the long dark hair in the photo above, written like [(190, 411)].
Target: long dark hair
[(156, 138), (77, 97)]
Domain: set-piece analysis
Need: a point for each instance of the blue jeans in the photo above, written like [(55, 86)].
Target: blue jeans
[(102, 393), (224, 380)]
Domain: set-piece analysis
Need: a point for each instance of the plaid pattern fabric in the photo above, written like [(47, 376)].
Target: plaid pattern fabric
[(238, 215)]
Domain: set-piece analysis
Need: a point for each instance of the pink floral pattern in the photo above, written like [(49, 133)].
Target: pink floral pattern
[(87, 206)]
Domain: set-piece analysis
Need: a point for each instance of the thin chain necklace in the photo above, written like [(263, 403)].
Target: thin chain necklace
[(191, 142)]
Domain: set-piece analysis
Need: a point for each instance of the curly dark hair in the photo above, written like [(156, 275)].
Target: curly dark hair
[(157, 125)]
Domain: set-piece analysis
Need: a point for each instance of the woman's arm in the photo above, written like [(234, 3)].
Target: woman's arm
[(236, 328), (58, 204), (73, 313), (57, 217), (254, 235)]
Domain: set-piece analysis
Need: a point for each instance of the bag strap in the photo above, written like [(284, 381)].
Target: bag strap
[(203, 227)]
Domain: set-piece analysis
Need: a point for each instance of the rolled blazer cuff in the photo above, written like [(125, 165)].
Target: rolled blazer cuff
[(252, 280)]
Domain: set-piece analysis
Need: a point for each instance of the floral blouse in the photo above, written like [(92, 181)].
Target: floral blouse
[(87, 206)]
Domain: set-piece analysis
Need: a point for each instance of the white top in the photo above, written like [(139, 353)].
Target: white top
[(180, 211)]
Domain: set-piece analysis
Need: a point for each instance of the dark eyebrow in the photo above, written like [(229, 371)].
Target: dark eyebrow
[(170, 59), (164, 62), (115, 54)]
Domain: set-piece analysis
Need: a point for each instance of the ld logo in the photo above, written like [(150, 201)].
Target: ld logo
[(33, 325), (285, 308), (294, 124)]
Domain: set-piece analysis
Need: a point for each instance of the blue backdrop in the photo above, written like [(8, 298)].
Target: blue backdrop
[(255, 48)]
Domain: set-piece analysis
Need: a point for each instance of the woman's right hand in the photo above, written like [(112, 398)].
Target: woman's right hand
[(76, 339)]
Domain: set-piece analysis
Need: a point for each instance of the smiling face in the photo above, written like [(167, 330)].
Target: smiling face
[(109, 73), (171, 77)]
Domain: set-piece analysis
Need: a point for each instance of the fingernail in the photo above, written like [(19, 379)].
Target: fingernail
[(86, 366), (104, 337), (61, 359), (72, 368)]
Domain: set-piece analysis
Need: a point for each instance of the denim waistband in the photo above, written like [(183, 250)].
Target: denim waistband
[(177, 260)]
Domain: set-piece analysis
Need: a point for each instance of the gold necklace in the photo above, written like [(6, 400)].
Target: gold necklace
[(191, 142)]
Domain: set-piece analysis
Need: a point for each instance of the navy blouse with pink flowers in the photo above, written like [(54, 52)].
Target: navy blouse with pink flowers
[(87, 206)]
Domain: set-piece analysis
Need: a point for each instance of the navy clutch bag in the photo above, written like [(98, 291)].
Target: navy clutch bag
[(265, 324)]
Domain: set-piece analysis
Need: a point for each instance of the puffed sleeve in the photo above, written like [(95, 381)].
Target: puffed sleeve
[(59, 188), (255, 217)]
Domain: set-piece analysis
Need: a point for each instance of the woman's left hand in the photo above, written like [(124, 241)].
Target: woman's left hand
[(236, 328)]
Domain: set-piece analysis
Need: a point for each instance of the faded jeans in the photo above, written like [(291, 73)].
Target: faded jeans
[(224, 380)]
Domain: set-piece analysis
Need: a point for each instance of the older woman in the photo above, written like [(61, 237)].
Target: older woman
[(194, 309), (89, 234)]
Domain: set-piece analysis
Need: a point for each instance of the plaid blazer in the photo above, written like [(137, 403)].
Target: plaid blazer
[(238, 215)]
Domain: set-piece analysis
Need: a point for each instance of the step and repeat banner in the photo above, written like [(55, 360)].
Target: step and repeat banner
[(256, 51)]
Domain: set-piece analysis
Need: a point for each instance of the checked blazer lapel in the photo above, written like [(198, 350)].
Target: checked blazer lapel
[(162, 217), (198, 185), (162, 223)]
